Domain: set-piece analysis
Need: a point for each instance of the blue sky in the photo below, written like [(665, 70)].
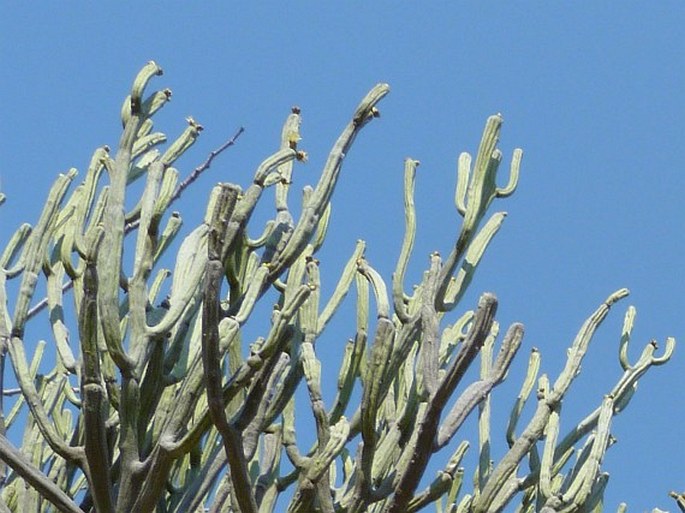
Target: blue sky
[(592, 92)]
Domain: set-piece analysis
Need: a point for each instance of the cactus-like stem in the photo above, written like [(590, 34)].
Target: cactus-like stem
[(321, 229), (314, 208), (429, 351), (290, 136), (408, 241), (13, 250), (547, 462), (114, 220), (211, 356), (581, 487), (463, 175), (448, 479), (17, 461), (378, 285), (484, 461), (421, 446), (475, 191), (622, 392), (581, 343), (36, 248), (180, 145), (371, 396), (145, 249), (474, 254), (515, 168), (59, 328), (341, 288), (476, 392), (93, 393), (353, 362), (526, 388), (548, 400)]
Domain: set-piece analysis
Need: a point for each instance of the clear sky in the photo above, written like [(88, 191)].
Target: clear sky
[(592, 91)]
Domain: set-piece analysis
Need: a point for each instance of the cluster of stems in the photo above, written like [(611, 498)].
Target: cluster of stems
[(156, 401)]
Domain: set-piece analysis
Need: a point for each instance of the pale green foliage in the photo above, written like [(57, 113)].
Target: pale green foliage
[(151, 405)]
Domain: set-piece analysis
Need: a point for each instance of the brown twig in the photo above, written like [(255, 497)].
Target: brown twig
[(194, 175), (205, 165)]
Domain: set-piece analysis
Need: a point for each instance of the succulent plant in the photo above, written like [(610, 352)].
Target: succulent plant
[(160, 404)]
